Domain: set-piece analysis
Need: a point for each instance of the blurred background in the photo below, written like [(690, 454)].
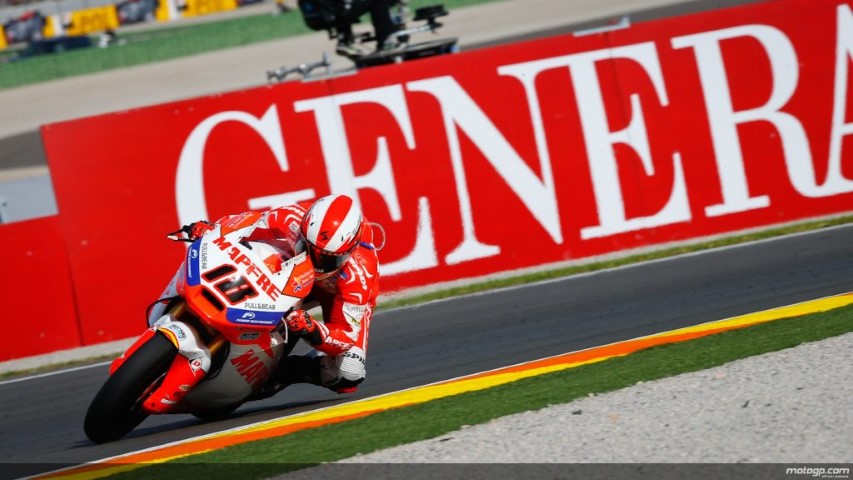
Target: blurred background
[(66, 59), (97, 35)]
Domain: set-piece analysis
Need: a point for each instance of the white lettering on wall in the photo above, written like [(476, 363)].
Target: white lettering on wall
[(342, 179), (785, 68), (550, 216), (423, 255), (535, 187), (600, 142), (836, 182), (460, 112), (189, 184), (724, 120)]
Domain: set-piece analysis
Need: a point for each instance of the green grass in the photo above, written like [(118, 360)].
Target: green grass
[(264, 458), (167, 43)]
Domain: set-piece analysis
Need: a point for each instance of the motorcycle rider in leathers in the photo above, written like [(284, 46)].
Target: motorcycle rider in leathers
[(339, 243)]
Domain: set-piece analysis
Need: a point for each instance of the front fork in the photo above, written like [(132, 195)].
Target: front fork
[(187, 370), (189, 367)]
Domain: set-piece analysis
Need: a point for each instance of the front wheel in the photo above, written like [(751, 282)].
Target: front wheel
[(117, 407)]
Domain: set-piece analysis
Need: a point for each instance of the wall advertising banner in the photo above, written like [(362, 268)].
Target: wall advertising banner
[(37, 290), (483, 161)]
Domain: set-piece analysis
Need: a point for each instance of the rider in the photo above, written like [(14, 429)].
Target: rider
[(338, 241)]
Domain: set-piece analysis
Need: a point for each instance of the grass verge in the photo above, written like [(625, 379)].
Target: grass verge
[(265, 458), (166, 43)]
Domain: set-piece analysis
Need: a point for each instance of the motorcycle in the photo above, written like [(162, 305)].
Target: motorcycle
[(322, 14), (223, 324)]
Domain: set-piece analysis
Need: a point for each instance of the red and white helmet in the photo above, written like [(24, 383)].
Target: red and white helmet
[(331, 228)]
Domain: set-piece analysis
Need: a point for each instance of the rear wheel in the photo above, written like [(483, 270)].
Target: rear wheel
[(215, 414), (117, 407)]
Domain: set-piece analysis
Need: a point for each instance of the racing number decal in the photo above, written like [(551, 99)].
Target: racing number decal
[(219, 272), (235, 289)]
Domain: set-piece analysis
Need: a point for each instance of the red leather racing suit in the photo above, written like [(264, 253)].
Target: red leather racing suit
[(347, 297)]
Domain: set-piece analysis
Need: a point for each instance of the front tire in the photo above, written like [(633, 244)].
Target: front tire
[(117, 407)]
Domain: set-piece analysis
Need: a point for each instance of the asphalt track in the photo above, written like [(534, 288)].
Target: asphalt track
[(41, 418)]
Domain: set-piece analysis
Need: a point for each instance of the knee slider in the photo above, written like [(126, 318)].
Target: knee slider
[(348, 367), (352, 366)]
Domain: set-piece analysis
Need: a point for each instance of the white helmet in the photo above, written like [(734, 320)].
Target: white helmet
[(332, 228)]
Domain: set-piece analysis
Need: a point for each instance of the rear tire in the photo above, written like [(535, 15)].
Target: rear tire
[(215, 414), (117, 407)]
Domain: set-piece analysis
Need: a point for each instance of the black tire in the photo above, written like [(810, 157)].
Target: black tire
[(215, 414), (117, 407)]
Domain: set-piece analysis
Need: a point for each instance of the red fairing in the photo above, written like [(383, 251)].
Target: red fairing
[(183, 375)]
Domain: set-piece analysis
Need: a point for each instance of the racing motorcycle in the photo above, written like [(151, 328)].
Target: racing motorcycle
[(225, 319)]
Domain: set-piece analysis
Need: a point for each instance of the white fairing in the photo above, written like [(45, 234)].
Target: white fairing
[(171, 290), (190, 344), (228, 386)]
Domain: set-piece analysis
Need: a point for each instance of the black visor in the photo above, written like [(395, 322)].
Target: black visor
[(325, 262)]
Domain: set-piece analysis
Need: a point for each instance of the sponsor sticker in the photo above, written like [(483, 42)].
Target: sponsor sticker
[(354, 313), (178, 331), (250, 335), (253, 317), (193, 267)]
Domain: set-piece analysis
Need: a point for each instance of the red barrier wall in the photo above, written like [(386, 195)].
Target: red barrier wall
[(37, 294), (484, 161)]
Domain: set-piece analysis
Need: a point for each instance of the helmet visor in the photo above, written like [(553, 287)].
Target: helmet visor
[(325, 262)]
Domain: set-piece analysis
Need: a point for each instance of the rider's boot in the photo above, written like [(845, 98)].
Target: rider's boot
[(299, 369), (302, 369), (316, 370), (291, 370)]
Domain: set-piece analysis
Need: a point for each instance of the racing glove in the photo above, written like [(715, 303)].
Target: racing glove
[(300, 323), (196, 229)]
